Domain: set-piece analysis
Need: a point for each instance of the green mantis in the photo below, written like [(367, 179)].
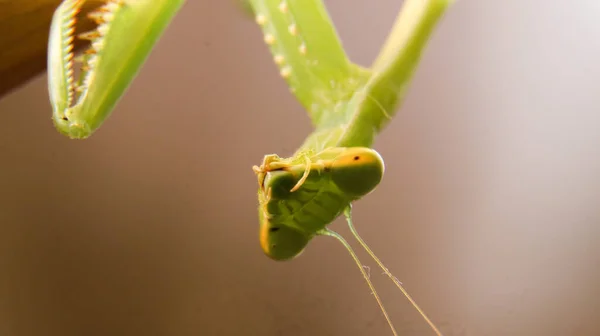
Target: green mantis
[(349, 105), (298, 196)]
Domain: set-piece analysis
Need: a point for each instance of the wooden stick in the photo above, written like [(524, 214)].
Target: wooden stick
[(24, 28)]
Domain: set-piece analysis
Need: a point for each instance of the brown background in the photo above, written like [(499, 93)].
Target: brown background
[(488, 212)]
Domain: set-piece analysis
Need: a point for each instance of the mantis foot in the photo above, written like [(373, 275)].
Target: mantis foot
[(273, 162)]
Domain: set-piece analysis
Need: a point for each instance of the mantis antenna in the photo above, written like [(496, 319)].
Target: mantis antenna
[(348, 215), (331, 233)]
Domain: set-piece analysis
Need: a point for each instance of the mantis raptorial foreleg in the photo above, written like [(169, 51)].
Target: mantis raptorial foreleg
[(125, 33)]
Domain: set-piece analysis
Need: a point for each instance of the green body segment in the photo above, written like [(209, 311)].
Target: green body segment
[(337, 176), (127, 32), (372, 109)]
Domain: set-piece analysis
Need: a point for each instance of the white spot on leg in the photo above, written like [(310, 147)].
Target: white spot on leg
[(302, 49), (269, 39), (283, 7), (286, 72), (292, 29), (261, 19), (279, 59)]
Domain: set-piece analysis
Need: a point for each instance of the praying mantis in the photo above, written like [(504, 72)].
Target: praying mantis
[(348, 104)]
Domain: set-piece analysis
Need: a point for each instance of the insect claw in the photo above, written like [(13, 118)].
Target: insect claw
[(260, 174), (89, 35), (112, 6), (90, 51), (304, 176), (97, 45), (98, 17)]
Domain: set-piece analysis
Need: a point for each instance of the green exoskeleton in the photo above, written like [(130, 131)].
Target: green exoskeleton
[(349, 105), (126, 32)]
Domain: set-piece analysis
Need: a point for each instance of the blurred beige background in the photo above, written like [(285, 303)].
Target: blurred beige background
[(488, 212)]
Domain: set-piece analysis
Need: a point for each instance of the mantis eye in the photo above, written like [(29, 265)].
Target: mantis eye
[(357, 171), (280, 242)]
